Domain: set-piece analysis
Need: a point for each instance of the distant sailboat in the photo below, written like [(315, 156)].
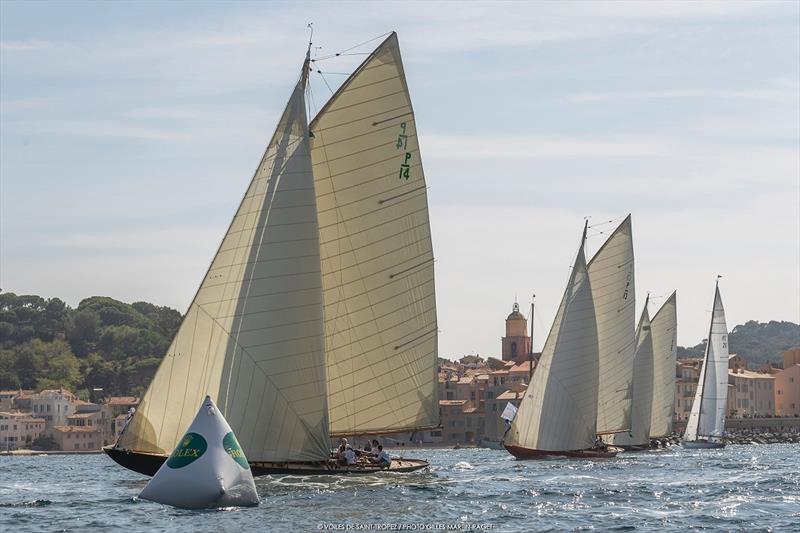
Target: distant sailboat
[(317, 317), (558, 415), (664, 336), (706, 425), (638, 437)]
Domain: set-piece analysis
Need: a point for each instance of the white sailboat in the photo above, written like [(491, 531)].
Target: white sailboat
[(664, 335), (558, 415), (638, 437), (317, 317), (706, 425)]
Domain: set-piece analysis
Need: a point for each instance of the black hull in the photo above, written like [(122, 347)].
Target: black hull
[(148, 464)]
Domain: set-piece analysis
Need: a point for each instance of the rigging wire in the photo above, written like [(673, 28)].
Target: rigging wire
[(346, 51)]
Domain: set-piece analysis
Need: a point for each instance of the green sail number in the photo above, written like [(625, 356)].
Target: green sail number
[(190, 449), (233, 449)]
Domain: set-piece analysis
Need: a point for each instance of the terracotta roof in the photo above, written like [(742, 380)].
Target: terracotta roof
[(465, 380), (470, 410), (76, 429), (750, 374), (525, 366), (123, 400), (452, 402), (499, 373), (511, 395), (81, 415)]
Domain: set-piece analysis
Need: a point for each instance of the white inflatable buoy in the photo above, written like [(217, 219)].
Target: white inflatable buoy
[(206, 469)]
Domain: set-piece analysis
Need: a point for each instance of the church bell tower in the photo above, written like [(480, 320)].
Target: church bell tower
[(516, 343)]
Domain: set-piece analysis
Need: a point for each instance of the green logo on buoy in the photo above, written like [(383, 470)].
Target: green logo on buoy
[(191, 448), (233, 449)]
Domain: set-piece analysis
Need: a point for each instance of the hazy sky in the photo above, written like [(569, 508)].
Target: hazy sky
[(129, 131)]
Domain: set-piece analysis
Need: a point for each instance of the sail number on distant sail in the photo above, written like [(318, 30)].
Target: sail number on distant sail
[(402, 141)]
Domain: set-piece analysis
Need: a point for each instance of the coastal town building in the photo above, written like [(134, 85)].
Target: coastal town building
[(516, 343), (787, 385), (752, 394), (19, 430), (54, 405), (687, 374)]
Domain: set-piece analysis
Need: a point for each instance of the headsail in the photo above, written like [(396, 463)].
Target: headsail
[(559, 410), (664, 332), (641, 410), (377, 256), (253, 336), (612, 278), (707, 417)]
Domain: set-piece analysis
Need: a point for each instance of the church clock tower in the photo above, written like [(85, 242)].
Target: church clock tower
[(516, 343)]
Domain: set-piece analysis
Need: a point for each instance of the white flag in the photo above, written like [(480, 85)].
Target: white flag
[(509, 412)]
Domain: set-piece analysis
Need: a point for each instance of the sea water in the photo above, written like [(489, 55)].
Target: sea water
[(739, 488)]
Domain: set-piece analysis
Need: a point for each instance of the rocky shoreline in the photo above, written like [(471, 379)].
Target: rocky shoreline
[(742, 436)]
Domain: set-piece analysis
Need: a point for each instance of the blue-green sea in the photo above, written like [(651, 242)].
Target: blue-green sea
[(739, 488)]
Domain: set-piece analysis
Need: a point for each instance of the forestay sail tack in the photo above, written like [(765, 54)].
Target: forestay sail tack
[(641, 410), (612, 278), (707, 417), (559, 410), (339, 219), (664, 334), (377, 257)]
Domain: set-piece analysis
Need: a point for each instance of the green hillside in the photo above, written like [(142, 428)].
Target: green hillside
[(756, 342), (102, 344)]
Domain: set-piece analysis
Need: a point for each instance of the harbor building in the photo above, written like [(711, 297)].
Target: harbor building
[(753, 393), (19, 430), (787, 385), (54, 405)]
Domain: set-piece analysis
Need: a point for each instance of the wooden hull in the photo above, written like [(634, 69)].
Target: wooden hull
[(634, 447), (149, 463), (527, 453), (701, 445)]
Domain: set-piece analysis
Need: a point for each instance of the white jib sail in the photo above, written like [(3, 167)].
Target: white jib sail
[(206, 469), (641, 410), (664, 333), (559, 410), (707, 417), (377, 256), (612, 277), (253, 335)]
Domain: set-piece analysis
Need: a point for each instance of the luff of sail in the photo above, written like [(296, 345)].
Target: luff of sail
[(253, 335), (612, 277), (641, 410), (707, 417), (559, 410), (664, 333), (377, 256)]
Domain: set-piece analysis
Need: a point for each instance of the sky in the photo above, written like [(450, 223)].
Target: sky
[(129, 131)]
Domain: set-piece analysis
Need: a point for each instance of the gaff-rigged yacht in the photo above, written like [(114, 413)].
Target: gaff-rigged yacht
[(317, 317), (582, 382)]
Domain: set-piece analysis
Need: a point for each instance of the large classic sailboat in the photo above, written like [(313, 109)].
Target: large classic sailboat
[(317, 317), (706, 425), (561, 411)]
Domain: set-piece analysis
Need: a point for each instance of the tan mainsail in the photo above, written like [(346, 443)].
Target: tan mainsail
[(253, 336), (641, 411), (664, 332), (377, 256), (559, 411), (612, 277)]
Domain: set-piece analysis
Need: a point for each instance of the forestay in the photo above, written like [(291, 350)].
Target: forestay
[(664, 332), (612, 279), (558, 412), (377, 257), (641, 410), (252, 337), (707, 417)]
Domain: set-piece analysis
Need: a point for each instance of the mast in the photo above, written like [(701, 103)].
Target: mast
[(530, 352), (707, 353)]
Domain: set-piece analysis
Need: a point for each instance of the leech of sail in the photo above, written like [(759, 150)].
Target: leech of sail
[(664, 332)]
